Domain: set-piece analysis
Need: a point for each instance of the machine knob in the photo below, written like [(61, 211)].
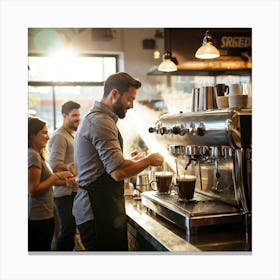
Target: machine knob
[(176, 130), (192, 129), (200, 130), (163, 130), (184, 131), (152, 129)]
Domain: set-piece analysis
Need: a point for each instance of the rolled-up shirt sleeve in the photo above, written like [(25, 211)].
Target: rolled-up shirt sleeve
[(58, 149), (107, 143)]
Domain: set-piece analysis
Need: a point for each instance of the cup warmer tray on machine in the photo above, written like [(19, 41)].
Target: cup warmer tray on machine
[(199, 212)]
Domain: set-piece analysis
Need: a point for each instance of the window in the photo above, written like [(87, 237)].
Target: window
[(54, 80)]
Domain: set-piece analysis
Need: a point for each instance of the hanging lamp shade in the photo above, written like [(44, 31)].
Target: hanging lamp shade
[(207, 50), (167, 65)]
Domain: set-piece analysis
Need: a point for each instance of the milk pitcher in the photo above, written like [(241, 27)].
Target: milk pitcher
[(222, 89), (207, 98)]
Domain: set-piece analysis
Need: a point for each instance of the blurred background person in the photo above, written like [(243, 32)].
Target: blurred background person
[(40, 191), (61, 158)]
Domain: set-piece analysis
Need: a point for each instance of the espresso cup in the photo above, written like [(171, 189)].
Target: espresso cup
[(163, 180), (235, 89), (185, 187)]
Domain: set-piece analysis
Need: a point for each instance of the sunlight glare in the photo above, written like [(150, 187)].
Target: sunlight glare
[(62, 65)]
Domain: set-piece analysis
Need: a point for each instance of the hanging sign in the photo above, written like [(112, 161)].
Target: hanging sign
[(233, 44)]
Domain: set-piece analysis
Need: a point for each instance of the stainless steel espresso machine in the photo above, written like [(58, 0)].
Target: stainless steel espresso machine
[(215, 145)]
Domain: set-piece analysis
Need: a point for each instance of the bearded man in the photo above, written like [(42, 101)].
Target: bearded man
[(61, 157), (99, 206)]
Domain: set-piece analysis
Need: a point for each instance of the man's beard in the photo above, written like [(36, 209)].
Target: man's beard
[(73, 126), (119, 109)]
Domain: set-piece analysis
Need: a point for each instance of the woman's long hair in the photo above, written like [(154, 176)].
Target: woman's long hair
[(34, 126)]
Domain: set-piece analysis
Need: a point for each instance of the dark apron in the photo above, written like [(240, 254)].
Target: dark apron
[(108, 206)]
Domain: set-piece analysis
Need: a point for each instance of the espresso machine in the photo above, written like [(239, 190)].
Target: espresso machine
[(215, 145)]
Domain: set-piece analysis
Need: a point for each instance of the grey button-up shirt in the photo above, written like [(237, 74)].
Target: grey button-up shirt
[(96, 150), (61, 149)]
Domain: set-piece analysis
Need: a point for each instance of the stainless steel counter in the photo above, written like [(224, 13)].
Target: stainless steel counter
[(166, 236), (155, 231)]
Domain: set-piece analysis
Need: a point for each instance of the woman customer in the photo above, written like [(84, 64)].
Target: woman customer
[(40, 191)]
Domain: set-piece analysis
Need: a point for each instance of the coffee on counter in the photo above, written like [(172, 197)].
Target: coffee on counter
[(163, 180), (185, 186)]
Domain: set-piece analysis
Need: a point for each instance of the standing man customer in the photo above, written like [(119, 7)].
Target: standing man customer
[(99, 206), (61, 157)]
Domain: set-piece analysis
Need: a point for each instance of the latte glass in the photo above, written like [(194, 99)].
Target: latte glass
[(185, 187), (163, 180)]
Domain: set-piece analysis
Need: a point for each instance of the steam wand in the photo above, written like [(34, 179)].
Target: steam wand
[(217, 188), (176, 163), (189, 162), (192, 158)]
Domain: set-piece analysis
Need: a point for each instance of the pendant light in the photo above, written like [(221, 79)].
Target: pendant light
[(156, 54), (207, 50), (167, 64), (158, 35)]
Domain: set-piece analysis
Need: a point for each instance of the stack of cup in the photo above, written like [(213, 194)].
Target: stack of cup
[(236, 97)]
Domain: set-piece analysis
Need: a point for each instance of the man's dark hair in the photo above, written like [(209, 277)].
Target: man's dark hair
[(120, 81), (68, 106)]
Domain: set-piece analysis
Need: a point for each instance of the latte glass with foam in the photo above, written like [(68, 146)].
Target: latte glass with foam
[(185, 186), (163, 181)]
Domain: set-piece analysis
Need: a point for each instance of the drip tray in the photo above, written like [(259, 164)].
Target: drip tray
[(196, 206), (190, 215)]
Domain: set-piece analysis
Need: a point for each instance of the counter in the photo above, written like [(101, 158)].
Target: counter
[(150, 232)]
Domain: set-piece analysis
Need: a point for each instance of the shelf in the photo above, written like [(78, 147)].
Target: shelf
[(208, 72)]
